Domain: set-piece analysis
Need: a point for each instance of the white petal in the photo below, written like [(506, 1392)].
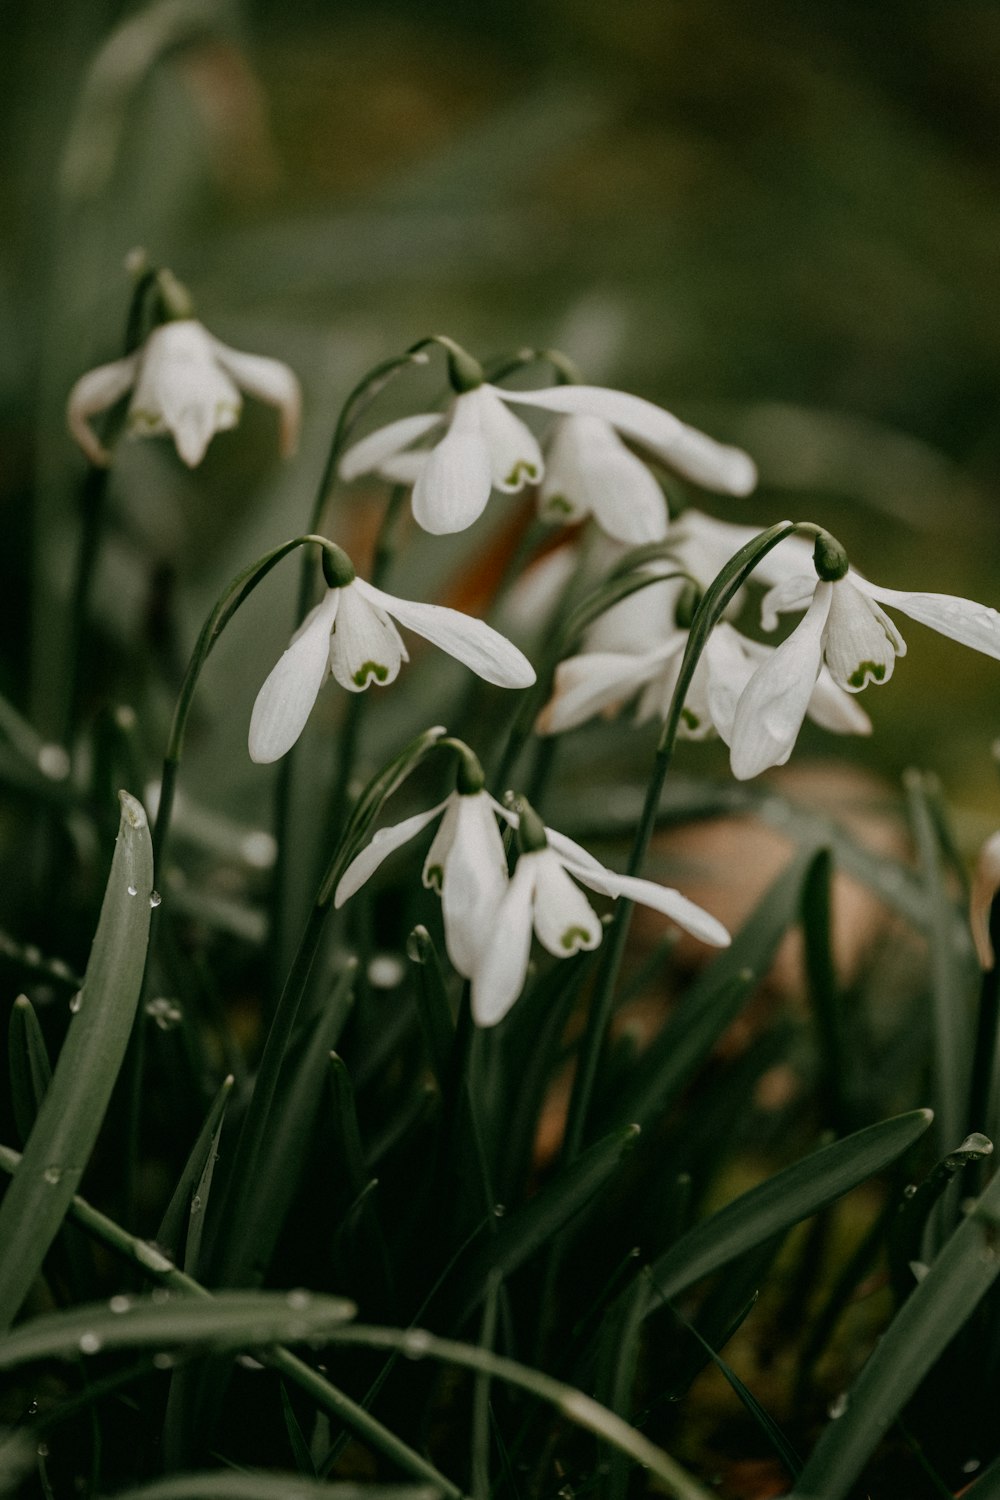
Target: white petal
[(365, 646), (962, 620), (730, 667), (835, 710), (284, 702), (787, 597), (565, 921), (95, 392), (684, 449), (472, 642), (385, 842), (499, 976), (596, 473), (475, 882), (514, 454), (774, 702), (642, 620), (432, 874), (861, 642), (453, 486), (662, 898), (403, 468), (562, 495), (595, 682), (270, 381), (181, 389), (371, 452)]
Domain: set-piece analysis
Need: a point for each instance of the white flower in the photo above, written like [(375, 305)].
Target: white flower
[(602, 682), (465, 864), (703, 545), (845, 629), (350, 634), (486, 446), (185, 383), (542, 897), (488, 919), (589, 471)]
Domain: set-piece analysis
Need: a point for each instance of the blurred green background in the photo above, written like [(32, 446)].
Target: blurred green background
[(779, 220)]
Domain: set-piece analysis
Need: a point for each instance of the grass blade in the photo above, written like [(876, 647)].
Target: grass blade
[(936, 1309), (215, 1484), (175, 1220), (229, 1320), (60, 1144), (30, 1069), (711, 1002), (785, 1199)]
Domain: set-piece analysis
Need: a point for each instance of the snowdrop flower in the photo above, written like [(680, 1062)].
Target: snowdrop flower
[(465, 864), (846, 629), (486, 446), (590, 472), (542, 897), (985, 884), (351, 635), (602, 682), (187, 383)]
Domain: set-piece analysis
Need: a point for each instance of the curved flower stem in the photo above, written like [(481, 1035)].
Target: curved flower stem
[(709, 611), (222, 612)]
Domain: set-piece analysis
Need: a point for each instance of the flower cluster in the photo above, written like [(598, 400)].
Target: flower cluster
[(489, 916)]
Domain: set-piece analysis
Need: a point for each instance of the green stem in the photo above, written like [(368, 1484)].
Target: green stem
[(713, 604), (158, 1268)]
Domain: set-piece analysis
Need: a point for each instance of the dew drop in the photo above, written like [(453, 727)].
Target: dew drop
[(32, 1408), (76, 1001), (298, 1300), (164, 1012), (416, 1343), (154, 899), (248, 1362), (196, 1204), (163, 1361), (89, 1343), (971, 1465), (120, 1304), (838, 1406), (499, 1209), (386, 971), (153, 1259), (133, 890), (910, 1190), (260, 850), (52, 1175), (42, 1450)]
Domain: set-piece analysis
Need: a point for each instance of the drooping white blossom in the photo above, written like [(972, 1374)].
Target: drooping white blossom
[(350, 633), (846, 630), (485, 446), (186, 383), (544, 897)]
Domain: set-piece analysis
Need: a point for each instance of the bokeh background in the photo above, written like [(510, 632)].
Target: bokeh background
[(780, 220)]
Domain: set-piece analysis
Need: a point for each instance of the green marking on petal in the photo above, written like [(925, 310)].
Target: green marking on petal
[(690, 719), (434, 877), (522, 467), (558, 505), (367, 671), (874, 670), (573, 937)]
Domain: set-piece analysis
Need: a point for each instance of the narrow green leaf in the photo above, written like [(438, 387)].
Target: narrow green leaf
[(824, 993), (579, 1408), (538, 1222), (480, 1465), (228, 1320), (940, 1304), (954, 973), (785, 1199), (30, 1069), (174, 1223), (296, 1437), (154, 1265), (432, 1002), (710, 1003), (60, 1144), (912, 1216), (222, 1484), (283, 1154)]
